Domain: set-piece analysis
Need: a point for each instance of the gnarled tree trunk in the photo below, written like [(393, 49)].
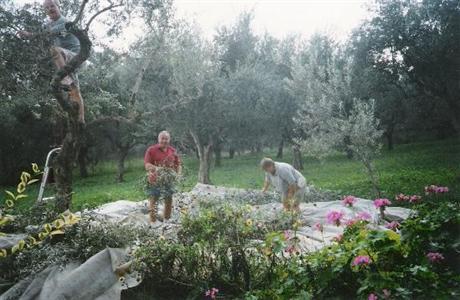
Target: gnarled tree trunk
[(218, 155), (70, 146), (122, 154), (280, 149), (297, 161), (204, 155)]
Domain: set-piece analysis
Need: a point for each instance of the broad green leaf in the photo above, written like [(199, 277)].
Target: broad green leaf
[(15, 249), (21, 244), (21, 187), (32, 181), (9, 203), (11, 195), (25, 177), (35, 168), (56, 232), (3, 253), (58, 223), (42, 235), (32, 240), (47, 227)]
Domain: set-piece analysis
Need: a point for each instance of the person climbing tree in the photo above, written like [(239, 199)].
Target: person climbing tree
[(65, 46)]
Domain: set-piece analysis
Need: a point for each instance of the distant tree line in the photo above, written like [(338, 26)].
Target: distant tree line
[(399, 71)]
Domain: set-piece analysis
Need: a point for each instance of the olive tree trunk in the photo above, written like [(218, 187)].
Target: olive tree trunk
[(204, 155), (297, 161), (70, 146)]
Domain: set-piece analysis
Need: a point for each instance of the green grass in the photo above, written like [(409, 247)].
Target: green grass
[(408, 168)]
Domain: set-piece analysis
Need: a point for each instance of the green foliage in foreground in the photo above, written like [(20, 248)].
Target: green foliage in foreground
[(220, 248), (223, 246)]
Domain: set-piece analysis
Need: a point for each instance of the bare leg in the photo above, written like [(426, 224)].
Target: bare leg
[(59, 62), (74, 95), (286, 204), (153, 209), (168, 208)]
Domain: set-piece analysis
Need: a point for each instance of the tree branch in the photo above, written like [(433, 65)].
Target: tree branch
[(100, 12), (80, 12)]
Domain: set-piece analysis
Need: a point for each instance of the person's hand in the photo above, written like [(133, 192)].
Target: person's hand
[(24, 34)]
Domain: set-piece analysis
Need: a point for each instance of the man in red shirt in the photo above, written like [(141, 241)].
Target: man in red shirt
[(158, 156)]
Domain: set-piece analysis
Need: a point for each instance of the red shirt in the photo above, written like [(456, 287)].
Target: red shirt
[(163, 158)]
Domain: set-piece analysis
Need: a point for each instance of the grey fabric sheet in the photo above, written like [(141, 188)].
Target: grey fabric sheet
[(94, 279)]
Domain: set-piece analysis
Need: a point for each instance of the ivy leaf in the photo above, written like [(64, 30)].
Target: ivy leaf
[(21, 187), (21, 196), (47, 228), (3, 253), (56, 232), (11, 195), (32, 181), (9, 203)]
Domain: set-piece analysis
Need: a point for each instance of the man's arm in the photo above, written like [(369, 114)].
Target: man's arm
[(147, 162), (23, 34), (149, 167), (292, 188), (266, 185)]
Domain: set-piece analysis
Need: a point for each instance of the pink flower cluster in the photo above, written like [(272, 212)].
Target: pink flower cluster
[(393, 225), (361, 260), (372, 297), (433, 189), (334, 217), (287, 235), (435, 257), (212, 293), (318, 226), (338, 238), (351, 222), (407, 198), (348, 201), (386, 295), (363, 216), (290, 249), (378, 203)]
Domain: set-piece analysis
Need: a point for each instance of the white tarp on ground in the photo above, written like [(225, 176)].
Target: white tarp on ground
[(95, 279), (135, 213)]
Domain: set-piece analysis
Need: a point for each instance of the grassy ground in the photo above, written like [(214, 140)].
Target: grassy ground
[(408, 168)]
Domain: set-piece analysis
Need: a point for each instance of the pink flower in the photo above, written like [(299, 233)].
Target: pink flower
[(290, 249), (393, 225), (334, 217), (211, 293), (434, 257), (433, 189), (372, 297), (361, 260), (402, 197), (351, 222), (318, 226), (414, 198), (338, 238), (348, 201), (378, 203), (287, 235), (363, 216)]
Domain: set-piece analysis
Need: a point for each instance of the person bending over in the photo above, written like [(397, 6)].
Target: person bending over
[(289, 182)]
